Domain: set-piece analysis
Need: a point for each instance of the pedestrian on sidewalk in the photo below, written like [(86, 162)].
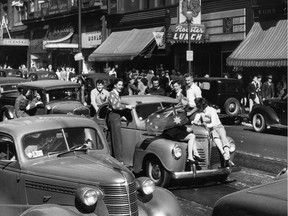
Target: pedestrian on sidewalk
[(268, 89)]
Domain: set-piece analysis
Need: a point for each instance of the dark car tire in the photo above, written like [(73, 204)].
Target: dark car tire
[(259, 123), (232, 107), (156, 172)]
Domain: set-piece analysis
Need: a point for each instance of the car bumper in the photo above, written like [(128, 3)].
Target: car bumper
[(201, 173)]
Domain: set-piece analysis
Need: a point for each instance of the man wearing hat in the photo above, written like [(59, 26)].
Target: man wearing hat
[(268, 88)]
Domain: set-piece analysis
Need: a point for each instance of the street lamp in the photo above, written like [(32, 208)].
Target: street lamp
[(189, 19)]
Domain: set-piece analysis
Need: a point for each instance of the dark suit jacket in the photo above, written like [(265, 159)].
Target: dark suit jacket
[(268, 90)]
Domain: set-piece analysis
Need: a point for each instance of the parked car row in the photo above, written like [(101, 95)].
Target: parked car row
[(61, 165)]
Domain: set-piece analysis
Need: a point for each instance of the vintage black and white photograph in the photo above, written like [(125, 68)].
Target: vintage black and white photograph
[(143, 107)]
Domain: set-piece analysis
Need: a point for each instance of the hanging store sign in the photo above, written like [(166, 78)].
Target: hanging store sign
[(14, 42), (91, 39), (159, 39), (180, 33)]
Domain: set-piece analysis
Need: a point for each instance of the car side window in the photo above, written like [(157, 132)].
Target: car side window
[(7, 148), (204, 85)]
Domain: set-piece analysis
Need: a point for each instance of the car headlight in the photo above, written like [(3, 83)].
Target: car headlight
[(176, 151), (86, 199), (232, 146), (145, 185)]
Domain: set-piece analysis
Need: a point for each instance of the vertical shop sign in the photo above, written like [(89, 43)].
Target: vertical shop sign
[(194, 6)]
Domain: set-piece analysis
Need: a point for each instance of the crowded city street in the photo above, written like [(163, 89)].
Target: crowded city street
[(143, 107)]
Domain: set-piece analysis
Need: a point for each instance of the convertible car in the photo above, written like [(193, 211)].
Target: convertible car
[(271, 114), (61, 165), (162, 159)]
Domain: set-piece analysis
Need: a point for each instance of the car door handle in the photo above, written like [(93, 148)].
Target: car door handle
[(46, 198)]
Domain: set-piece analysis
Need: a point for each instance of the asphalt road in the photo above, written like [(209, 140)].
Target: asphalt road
[(270, 145), (259, 157)]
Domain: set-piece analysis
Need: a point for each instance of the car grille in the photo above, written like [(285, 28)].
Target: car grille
[(215, 157), (121, 200)]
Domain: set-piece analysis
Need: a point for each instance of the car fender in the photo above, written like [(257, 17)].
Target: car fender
[(160, 202), (268, 113), (162, 149), (54, 209), (49, 210), (9, 110)]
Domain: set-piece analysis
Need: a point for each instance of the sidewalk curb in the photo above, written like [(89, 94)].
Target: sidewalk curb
[(270, 165)]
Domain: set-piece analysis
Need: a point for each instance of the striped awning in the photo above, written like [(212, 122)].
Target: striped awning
[(125, 45), (264, 46)]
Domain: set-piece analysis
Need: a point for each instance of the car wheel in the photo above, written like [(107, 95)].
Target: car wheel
[(232, 106), (259, 123), (156, 172)]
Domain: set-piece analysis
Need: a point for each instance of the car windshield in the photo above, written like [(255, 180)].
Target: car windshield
[(144, 110), (71, 94), (8, 88), (49, 142)]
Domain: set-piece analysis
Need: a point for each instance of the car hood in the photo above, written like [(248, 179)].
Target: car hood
[(64, 107), (268, 199), (82, 167)]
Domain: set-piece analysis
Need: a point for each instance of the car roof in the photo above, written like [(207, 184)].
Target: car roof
[(7, 80), (273, 193), (21, 126), (100, 75), (49, 84), (145, 99)]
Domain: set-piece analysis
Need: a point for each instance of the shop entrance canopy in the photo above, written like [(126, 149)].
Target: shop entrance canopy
[(264, 46), (125, 45)]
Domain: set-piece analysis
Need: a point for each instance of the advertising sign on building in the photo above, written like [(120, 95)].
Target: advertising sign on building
[(54, 7), (194, 6), (15, 42), (159, 38), (180, 34), (91, 39)]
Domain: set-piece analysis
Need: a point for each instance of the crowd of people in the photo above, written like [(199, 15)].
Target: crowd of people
[(257, 92), (181, 87), (189, 96)]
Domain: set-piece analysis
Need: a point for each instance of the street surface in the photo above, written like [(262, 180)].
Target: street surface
[(269, 148), (199, 200)]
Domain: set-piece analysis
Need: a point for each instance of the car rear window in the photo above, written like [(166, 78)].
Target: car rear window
[(8, 88)]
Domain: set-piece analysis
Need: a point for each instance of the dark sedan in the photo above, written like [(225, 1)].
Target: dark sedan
[(57, 96), (224, 93), (8, 91), (271, 114), (264, 200)]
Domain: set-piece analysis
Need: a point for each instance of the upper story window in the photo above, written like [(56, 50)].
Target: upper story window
[(19, 10), (124, 6)]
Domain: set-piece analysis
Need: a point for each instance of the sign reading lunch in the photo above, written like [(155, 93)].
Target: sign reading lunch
[(196, 33)]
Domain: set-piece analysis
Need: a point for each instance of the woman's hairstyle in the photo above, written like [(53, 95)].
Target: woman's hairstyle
[(117, 80), (201, 103)]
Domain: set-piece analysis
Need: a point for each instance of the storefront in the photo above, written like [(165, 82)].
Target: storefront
[(13, 52)]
